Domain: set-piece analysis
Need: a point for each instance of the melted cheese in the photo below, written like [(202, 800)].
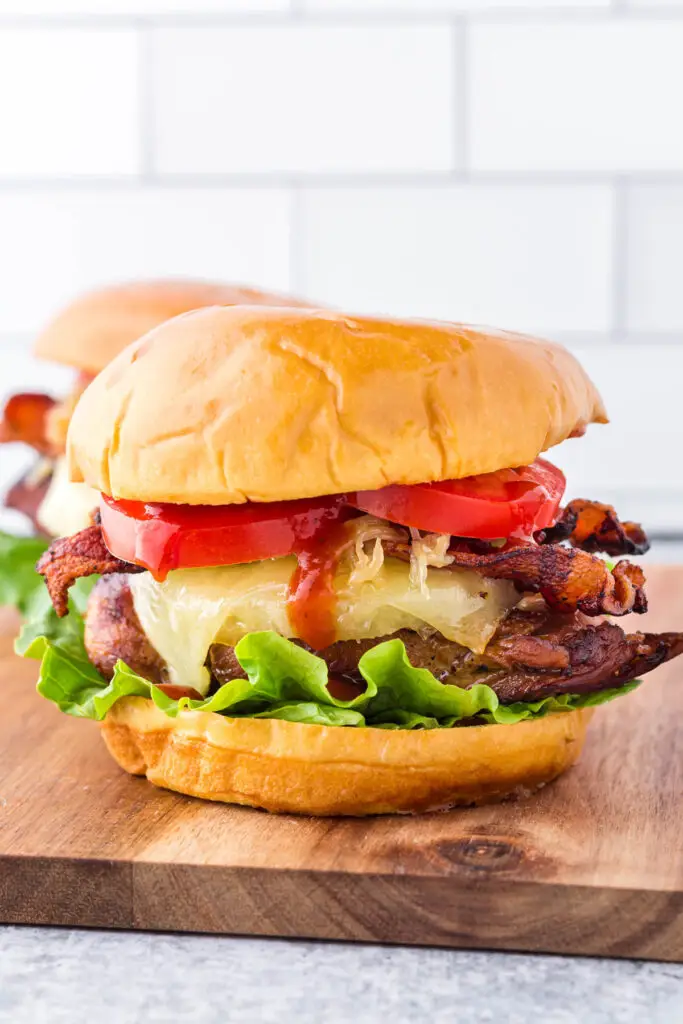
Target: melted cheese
[(66, 507), (192, 608)]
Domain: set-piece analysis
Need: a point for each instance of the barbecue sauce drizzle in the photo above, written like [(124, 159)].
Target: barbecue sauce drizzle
[(311, 601)]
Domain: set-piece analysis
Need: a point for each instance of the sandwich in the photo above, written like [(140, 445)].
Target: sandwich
[(87, 335), (330, 572)]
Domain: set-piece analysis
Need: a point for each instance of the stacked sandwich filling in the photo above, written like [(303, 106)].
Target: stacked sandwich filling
[(87, 335), (504, 629), (43, 494), (309, 519)]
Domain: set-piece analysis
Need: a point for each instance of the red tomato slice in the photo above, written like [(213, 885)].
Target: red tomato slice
[(509, 503), (163, 537), (512, 503)]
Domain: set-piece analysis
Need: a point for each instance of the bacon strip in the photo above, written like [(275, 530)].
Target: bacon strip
[(25, 419), (568, 579), (598, 657), (592, 526), (69, 558)]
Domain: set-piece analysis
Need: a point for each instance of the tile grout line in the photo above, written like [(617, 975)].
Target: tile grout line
[(360, 179), (461, 87), (147, 102), (296, 239), (616, 11), (620, 259)]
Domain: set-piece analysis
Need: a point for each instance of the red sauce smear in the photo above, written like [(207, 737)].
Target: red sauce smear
[(163, 537), (344, 688), (176, 692), (312, 599)]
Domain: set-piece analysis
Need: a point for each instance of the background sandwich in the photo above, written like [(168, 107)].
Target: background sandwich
[(87, 335), (336, 577)]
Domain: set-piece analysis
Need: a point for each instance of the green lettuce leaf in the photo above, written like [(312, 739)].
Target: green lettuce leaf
[(409, 697), (284, 681), (42, 628), (19, 581), (66, 675)]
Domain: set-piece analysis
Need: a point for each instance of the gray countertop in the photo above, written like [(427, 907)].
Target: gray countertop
[(69, 977)]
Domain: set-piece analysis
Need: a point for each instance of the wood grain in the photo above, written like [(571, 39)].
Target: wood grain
[(593, 864)]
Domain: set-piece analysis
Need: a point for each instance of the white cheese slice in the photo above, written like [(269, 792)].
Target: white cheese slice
[(192, 608), (66, 506)]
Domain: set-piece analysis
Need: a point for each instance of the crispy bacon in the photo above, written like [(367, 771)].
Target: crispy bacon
[(592, 526), (596, 657), (568, 579), (25, 419), (175, 692), (69, 558)]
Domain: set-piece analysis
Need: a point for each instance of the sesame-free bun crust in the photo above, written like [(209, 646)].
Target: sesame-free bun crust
[(226, 405), (321, 770), (98, 325)]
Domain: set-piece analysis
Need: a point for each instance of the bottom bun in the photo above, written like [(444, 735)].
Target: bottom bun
[(314, 769)]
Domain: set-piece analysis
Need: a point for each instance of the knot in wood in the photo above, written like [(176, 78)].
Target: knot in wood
[(481, 853)]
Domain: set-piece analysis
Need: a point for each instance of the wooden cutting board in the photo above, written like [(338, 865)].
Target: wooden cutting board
[(593, 864)]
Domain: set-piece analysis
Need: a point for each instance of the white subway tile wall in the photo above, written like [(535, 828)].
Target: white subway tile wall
[(533, 257), (304, 99), (634, 461), (654, 280), (577, 97), (70, 102), (431, 6), (56, 242), (516, 162), (61, 8)]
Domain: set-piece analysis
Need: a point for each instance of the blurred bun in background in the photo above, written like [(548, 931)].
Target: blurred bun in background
[(87, 335)]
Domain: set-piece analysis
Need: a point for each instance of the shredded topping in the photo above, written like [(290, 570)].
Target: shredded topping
[(432, 549), (369, 536), (366, 531)]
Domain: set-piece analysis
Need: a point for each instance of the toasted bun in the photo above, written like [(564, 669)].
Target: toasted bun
[(227, 405), (97, 326), (314, 769)]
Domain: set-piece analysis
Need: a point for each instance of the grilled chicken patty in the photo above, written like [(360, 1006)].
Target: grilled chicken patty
[(534, 654), (113, 632)]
